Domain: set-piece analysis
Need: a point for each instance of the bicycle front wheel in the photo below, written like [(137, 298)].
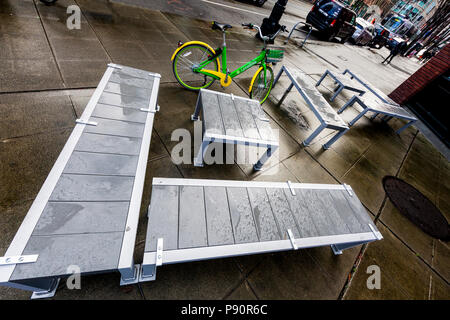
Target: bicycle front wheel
[(262, 85), (188, 59)]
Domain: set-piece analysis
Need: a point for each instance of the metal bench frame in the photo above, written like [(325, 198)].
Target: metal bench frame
[(340, 85), (208, 138), (324, 125), (366, 108), (45, 287), (364, 83), (338, 242)]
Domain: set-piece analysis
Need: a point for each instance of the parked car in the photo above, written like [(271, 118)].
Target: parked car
[(364, 32), (258, 3), (333, 19), (381, 37)]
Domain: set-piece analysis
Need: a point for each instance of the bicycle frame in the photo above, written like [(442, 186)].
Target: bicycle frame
[(222, 76)]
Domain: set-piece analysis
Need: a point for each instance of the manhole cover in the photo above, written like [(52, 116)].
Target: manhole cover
[(416, 207)]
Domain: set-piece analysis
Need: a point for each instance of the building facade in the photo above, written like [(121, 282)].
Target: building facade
[(372, 9), (416, 11)]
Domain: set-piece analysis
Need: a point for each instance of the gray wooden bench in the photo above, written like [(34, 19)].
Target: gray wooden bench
[(371, 88), (234, 120), (372, 104), (87, 211), (342, 82), (329, 119), (191, 220)]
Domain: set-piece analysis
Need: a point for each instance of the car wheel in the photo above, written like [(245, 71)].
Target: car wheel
[(259, 3), (344, 39), (48, 2), (331, 36)]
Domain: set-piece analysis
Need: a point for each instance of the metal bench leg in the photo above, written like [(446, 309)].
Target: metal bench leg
[(264, 158), (130, 275), (194, 116), (386, 118), (148, 273), (349, 103), (359, 116), (321, 78), (198, 161), (49, 293), (314, 134), (405, 126), (285, 94), (327, 145), (278, 76), (41, 287), (339, 90), (337, 248)]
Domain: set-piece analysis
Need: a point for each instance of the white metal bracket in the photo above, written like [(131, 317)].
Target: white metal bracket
[(377, 234), (159, 252), (90, 123), (134, 279), (150, 110), (349, 189), (291, 237), (18, 259), (336, 251), (46, 294), (115, 66), (291, 188)]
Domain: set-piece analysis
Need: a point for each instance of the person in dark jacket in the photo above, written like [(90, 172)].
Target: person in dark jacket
[(395, 51)]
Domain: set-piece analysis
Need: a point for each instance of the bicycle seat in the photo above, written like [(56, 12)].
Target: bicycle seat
[(220, 26)]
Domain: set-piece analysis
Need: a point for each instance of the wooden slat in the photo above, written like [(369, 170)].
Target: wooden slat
[(212, 119), (360, 212), (262, 212), (318, 212), (218, 221), (346, 212), (338, 222), (163, 218), (282, 212), (248, 124), (302, 215), (192, 220), (241, 216), (264, 129), (229, 116)]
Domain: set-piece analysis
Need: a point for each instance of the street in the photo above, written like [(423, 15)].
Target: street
[(49, 73)]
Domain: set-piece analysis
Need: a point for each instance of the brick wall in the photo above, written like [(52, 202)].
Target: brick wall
[(436, 66)]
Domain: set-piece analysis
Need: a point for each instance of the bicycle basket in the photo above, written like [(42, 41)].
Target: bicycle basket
[(274, 54)]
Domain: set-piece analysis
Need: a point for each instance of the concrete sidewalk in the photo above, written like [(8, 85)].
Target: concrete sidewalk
[(50, 72)]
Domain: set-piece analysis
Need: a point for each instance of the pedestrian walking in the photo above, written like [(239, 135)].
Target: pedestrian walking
[(399, 47)]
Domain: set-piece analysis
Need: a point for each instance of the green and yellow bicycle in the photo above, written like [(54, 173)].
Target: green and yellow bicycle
[(191, 59)]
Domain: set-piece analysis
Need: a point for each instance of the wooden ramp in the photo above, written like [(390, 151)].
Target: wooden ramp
[(85, 216), (190, 220)]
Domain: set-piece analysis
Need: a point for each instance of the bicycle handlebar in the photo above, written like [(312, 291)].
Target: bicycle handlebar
[(265, 38)]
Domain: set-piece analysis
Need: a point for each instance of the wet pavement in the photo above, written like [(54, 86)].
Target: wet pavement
[(50, 72)]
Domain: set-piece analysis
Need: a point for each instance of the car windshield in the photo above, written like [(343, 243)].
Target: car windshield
[(331, 9), (359, 26)]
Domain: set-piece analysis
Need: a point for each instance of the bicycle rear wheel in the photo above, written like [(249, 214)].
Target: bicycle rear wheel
[(262, 85), (189, 58)]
